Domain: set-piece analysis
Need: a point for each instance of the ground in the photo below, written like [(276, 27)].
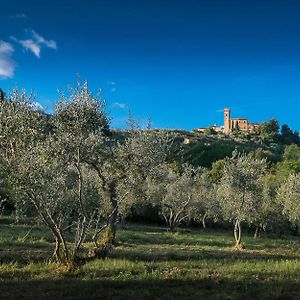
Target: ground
[(150, 263)]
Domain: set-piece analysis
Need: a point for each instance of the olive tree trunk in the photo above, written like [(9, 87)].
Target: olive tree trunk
[(237, 231)]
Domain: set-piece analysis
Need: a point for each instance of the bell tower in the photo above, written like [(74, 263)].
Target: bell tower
[(227, 128)]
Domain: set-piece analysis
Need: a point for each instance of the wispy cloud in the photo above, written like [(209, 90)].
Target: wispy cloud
[(118, 105), (20, 16), (31, 46), (35, 43), (42, 41), (7, 64), (112, 85)]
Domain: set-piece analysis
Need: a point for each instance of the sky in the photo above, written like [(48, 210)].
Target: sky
[(177, 62)]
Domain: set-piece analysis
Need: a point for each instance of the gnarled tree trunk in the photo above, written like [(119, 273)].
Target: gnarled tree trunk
[(203, 222), (237, 233)]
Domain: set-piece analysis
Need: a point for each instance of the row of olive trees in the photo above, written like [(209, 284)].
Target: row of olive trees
[(68, 170), (243, 191)]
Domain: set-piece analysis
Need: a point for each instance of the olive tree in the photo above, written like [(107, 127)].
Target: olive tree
[(80, 129), (289, 197), (269, 211), (173, 190), (20, 129), (123, 171), (240, 189), (54, 175), (204, 203)]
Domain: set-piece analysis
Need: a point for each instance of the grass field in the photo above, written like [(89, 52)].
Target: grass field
[(150, 263)]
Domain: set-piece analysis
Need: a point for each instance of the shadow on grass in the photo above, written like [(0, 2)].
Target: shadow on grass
[(144, 289), (145, 237), (195, 254)]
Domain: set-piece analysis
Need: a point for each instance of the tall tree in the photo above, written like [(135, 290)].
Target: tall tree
[(125, 168), (240, 189)]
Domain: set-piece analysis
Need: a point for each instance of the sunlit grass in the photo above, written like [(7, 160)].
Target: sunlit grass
[(151, 263)]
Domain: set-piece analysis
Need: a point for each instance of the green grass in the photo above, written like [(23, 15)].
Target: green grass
[(150, 263)]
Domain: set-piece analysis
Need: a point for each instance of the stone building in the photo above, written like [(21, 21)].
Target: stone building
[(242, 124)]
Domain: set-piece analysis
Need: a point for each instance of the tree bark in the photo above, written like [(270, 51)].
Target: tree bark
[(203, 222), (257, 232), (172, 227), (123, 222), (237, 233), (110, 188), (114, 216)]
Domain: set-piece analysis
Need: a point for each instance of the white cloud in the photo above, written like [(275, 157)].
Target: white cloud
[(20, 16), (112, 85), (7, 64), (42, 41), (32, 46), (35, 43), (118, 105)]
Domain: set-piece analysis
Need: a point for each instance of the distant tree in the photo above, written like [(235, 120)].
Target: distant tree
[(217, 171), (209, 131), (291, 152), (288, 136), (269, 130), (239, 191), (261, 153), (290, 162)]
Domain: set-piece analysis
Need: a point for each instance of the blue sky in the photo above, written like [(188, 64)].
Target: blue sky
[(178, 62)]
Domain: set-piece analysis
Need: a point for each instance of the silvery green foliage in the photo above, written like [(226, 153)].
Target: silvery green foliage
[(173, 191), (240, 189), (204, 204), (51, 188), (80, 112), (55, 177), (289, 197), (20, 130), (46, 184), (80, 124), (124, 168), (269, 211), (20, 124)]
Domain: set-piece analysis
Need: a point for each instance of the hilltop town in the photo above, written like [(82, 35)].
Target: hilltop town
[(232, 124)]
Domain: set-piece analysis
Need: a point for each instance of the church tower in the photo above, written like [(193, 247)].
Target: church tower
[(227, 120)]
